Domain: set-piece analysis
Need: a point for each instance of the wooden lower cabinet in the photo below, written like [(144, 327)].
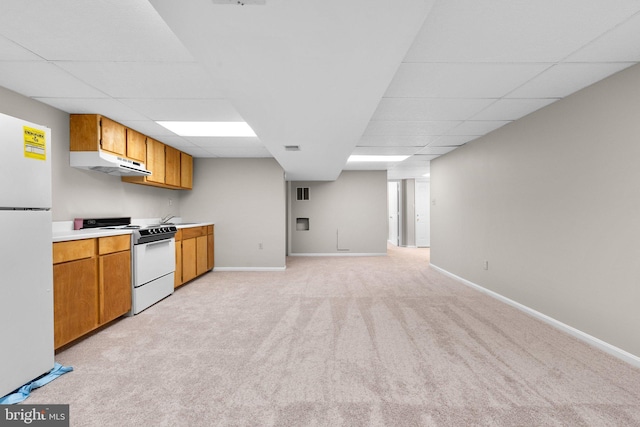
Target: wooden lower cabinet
[(75, 299), (188, 260), (91, 285), (194, 253), (115, 285)]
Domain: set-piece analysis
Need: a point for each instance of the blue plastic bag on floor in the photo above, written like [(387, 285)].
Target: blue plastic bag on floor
[(24, 391)]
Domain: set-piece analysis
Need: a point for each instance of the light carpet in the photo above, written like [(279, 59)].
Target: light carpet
[(340, 341)]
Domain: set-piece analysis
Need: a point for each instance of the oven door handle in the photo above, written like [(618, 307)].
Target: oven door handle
[(158, 242)]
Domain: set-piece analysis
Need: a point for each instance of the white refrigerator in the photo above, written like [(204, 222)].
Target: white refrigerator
[(26, 271)]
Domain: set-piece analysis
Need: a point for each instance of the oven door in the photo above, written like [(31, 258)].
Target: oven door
[(153, 260)]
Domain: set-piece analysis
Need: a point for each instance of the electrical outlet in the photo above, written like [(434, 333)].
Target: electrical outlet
[(486, 265), (170, 202)]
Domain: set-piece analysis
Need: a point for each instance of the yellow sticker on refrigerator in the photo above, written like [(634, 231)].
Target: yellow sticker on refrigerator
[(35, 144)]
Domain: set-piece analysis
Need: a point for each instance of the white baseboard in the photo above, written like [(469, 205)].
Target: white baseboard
[(249, 268), (340, 254), (596, 342)]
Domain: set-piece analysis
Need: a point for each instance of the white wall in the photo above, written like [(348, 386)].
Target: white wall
[(86, 194), (348, 215), (552, 202), (245, 198)]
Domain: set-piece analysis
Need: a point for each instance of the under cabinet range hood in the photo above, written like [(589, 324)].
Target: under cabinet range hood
[(108, 163)]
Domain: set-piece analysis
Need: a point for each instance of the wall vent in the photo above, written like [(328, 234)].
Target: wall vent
[(302, 193), (292, 148)]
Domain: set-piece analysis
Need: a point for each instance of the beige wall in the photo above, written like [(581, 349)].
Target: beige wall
[(552, 202), (245, 198), (80, 193), (348, 215)]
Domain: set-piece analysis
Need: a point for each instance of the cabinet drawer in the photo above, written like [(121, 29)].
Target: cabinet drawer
[(73, 250), (191, 232), (178, 236), (107, 245)]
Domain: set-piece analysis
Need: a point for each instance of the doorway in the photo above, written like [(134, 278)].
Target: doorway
[(394, 205)]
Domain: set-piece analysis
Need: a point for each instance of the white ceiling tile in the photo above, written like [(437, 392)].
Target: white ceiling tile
[(42, 79), (219, 142), (175, 141), (477, 127), (386, 151), (427, 109), (460, 80), (512, 109), (621, 44), (10, 51), (71, 30), (108, 107), (185, 109), (503, 31), (239, 152), (367, 166), (392, 128), (395, 140), (436, 150), (149, 128), (197, 152), (151, 80), (453, 140), (419, 160), (564, 79)]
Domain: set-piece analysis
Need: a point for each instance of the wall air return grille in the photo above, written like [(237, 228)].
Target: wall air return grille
[(302, 193)]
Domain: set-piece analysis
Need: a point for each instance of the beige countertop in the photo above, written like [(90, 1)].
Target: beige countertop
[(63, 233)]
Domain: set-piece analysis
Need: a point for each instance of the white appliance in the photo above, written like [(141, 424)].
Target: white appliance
[(111, 164), (154, 264), (26, 267)]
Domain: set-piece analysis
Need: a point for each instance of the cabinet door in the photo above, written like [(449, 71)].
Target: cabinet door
[(188, 259), (201, 255), (136, 146), (186, 171), (75, 299), (84, 132), (115, 285), (177, 278), (155, 161), (172, 166), (210, 252), (113, 136)]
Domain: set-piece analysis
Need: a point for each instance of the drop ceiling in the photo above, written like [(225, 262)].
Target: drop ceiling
[(335, 78)]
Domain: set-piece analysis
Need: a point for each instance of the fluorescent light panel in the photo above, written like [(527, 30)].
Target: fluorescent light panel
[(364, 158), (222, 129)]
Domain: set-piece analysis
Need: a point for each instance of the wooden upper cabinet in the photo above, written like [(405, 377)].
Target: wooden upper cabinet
[(113, 136), (172, 166), (136, 146), (186, 171), (155, 161), (84, 132)]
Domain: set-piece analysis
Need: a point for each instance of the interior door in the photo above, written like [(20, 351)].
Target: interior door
[(423, 212), (392, 193)]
